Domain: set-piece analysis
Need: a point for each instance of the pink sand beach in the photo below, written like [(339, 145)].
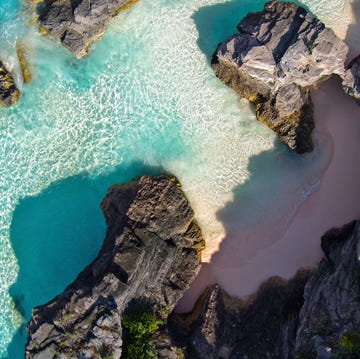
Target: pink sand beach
[(336, 202)]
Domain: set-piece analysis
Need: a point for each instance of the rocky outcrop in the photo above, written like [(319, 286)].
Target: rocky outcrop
[(9, 94), (261, 326), (274, 60), (351, 79), (149, 257), (78, 23), (314, 315), (330, 316)]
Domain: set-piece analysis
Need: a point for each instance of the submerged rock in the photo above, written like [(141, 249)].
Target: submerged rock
[(314, 315), (22, 54), (9, 94), (274, 60), (78, 23), (149, 257)]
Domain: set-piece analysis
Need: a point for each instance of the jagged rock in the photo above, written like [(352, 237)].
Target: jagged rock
[(274, 60), (261, 326), (351, 79), (332, 297), (314, 315), (78, 23), (9, 94), (150, 255)]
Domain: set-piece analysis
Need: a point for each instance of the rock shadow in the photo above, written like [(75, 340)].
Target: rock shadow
[(352, 34), (215, 23), (263, 201), (258, 216), (57, 233)]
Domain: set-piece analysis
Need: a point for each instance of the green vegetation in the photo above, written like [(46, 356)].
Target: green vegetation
[(312, 47), (350, 345), (139, 328)]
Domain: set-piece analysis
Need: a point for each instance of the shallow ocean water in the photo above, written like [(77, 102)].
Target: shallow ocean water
[(145, 100)]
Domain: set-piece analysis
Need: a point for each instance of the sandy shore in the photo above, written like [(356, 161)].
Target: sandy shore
[(336, 202)]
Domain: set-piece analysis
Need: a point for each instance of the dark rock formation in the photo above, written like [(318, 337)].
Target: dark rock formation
[(261, 326), (150, 255), (78, 23), (314, 315), (351, 79), (9, 94), (274, 60), (331, 311)]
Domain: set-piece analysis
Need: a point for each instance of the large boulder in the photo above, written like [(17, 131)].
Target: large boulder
[(150, 256), (274, 60), (9, 94), (78, 23)]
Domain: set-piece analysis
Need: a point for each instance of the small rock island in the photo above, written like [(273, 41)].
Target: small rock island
[(278, 55), (76, 24)]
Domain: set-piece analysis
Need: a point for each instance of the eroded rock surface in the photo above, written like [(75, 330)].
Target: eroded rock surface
[(9, 94), (274, 60), (314, 315), (78, 23), (150, 255)]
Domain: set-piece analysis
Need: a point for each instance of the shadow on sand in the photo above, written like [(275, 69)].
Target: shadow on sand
[(257, 217), (55, 235), (279, 180)]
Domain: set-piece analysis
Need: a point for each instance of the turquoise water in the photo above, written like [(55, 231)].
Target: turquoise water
[(144, 100)]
